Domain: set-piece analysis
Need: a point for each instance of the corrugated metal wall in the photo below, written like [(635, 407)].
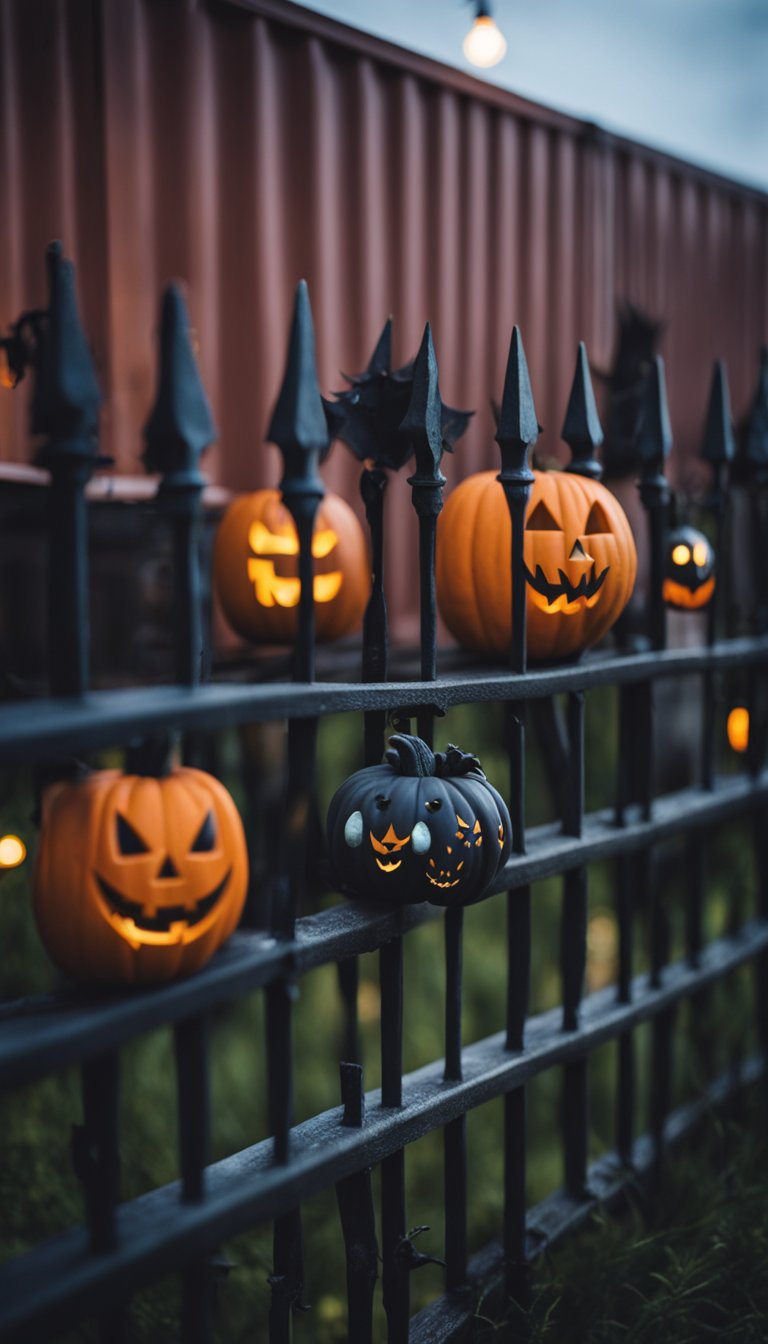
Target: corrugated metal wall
[(241, 146)]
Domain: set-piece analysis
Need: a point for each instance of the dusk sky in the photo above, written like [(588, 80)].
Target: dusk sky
[(689, 76)]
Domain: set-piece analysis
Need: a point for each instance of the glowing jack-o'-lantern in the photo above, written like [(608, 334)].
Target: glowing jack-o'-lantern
[(420, 827), (689, 581), (737, 727), (138, 879), (580, 564), (255, 566)]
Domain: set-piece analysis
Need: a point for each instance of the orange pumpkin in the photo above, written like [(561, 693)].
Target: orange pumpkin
[(579, 555), (138, 879), (255, 568)]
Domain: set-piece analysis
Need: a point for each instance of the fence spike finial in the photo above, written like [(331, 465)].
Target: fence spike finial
[(582, 430), (718, 443), (66, 399), (654, 434), (180, 425), (381, 359), (298, 426), (754, 437), (422, 421), (518, 427)]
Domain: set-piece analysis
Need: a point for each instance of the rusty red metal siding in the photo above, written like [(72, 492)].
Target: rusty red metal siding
[(243, 145)]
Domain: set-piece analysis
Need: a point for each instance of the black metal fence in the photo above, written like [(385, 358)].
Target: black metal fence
[(92, 1271)]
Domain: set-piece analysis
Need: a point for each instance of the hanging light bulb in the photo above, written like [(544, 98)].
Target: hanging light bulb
[(485, 44)]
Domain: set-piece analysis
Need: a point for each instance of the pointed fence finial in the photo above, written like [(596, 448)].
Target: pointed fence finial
[(516, 433), (381, 359), (180, 425), (66, 399), (518, 427), (718, 443), (298, 426), (422, 427), (300, 430), (654, 441), (422, 421), (754, 437), (654, 434), (582, 430)]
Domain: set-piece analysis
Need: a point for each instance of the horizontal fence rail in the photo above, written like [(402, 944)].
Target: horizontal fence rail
[(123, 1246), (51, 729)]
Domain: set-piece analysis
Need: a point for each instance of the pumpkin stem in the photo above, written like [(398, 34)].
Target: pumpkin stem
[(153, 756), (410, 756), (454, 761)]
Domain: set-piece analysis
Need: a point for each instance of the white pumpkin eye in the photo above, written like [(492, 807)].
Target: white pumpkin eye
[(353, 831), (420, 838)]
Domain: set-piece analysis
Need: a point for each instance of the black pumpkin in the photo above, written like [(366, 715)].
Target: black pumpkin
[(689, 579), (423, 826)]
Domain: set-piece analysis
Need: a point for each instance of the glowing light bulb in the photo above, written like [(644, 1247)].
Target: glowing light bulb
[(485, 44), (738, 728), (13, 851)]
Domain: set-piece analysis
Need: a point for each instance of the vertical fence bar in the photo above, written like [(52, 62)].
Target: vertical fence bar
[(358, 1221), (65, 409), (718, 448), (423, 423), (754, 465), (573, 962), (583, 433), (299, 429), (517, 431), (654, 443), (179, 428)]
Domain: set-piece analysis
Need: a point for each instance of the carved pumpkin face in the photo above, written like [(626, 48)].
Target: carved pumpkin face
[(580, 564), (418, 828), (689, 581), (255, 566), (138, 879)]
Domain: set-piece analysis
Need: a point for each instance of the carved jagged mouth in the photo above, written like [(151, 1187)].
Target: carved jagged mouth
[(566, 596), (388, 867), (166, 915), (443, 885)]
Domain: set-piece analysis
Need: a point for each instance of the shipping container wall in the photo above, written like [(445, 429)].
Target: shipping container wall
[(240, 146)]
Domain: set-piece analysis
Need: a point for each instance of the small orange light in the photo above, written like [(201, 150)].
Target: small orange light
[(738, 728), (681, 555), (13, 851), (700, 553), (7, 377)]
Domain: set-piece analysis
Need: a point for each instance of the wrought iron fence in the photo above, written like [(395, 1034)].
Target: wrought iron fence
[(89, 1271)]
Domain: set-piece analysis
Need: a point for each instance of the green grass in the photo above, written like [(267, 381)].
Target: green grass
[(690, 1266)]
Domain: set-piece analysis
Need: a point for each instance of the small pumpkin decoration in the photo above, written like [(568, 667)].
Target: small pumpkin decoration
[(255, 568), (689, 580), (423, 826), (138, 879), (580, 563)]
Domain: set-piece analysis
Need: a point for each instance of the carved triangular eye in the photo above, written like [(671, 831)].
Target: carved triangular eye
[(128, 841), (206, 836), (597, 521), (541, 520)]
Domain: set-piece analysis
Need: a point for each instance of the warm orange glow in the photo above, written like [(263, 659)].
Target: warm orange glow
[(7, 377), (264, 542), (678, 595), (738, 728), (275, 590), (700, 553), (13, 851), (681, 555)]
